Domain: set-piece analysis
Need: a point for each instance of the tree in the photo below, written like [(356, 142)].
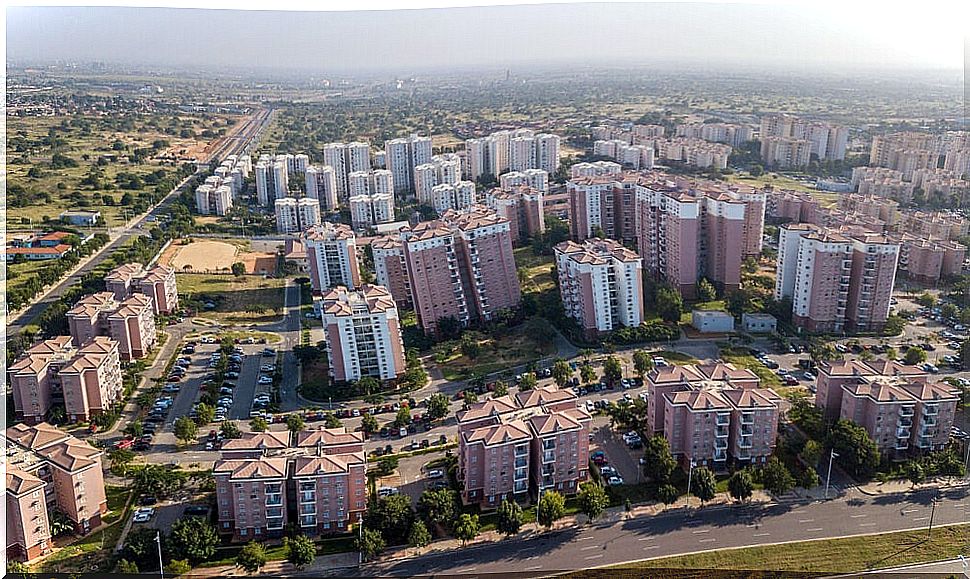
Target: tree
[(561, 372), (331, 421), (809, 479), (552, 507), (419, 536), (229, 430), (387, 465), (587, 374), (205, 413), (528, 381), (468, 398), (706, 291), (776, 478), (439, 507), (470, 347), (393, 515), (238, 269), (949, 311), (258, 424), (669, 304), (252, 557), (891, 353), (185, 429), (120, 459), (667, 494), (403, 417), (642, 363), (741, 486), (140, 548), (756, 170), (915, 355), (124, 566), (466, 528), (193, 538), (915, 473), (369, 424), (438, 406), (178, 567), (294, 423), (612, 370), (509, 517), (134, 429), (301, 551), (703, 483), (367, 385), (926, 299), (449, 327), (856, 451), (500, 389), (659, 463), (157, 480), (592, 500), (370, 543), (812, 452)]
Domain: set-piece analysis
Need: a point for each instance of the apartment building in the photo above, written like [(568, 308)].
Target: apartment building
[(957, 160), (636, 157), (730, 134), (332, 255), (517, 150), (900, 409), (786, 152), (70, 471), (28, 522), (264, 485), (934, 224), (321, 184), (826, 140), (402, 156), (157, 282), (905, 152), (441, 170), (213, 200), (694, 152), (874, 262), (459, 197), (377, 182), (522, 207), (295, 215), (369, 210), (363, 333), (712, 414), (130, 322), (514, 447), (629, 134), (601, 284), (795, 206), (928, 261), (461, 266), (391, 270), (595, 169), (86, 379)]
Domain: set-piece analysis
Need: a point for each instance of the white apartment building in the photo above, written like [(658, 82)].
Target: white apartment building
[(334, 156), (595, 169), (786, 267), (442, 170), (211, 200), (363, 333), (459, 196), (321, 184), (296, 215), (379, 182), (332, 255), (402, 156), (535, 178), (369, 210), (281, 182)]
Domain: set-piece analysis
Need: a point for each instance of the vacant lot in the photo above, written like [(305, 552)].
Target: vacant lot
[(204, 256), (535, 271), (246, 299), (519, 346)]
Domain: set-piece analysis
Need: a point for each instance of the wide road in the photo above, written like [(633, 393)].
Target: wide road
[(678, 533)]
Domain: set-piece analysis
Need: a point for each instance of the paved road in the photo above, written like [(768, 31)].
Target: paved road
[(289, 328), (679, 532)]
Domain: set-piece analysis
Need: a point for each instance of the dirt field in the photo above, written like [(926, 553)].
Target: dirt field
[(204, 256)]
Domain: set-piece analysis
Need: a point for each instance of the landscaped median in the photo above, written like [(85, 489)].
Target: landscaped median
[(848, 555)]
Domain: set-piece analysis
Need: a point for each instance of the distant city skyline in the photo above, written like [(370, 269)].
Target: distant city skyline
[(792, 37)]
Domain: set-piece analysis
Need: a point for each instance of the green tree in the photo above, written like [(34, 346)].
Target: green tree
[(178, 567), (467, 528), (367, 385), (193, 538), (642, 363), (238, 269), (370, 543), (252, 557), (669, 304), (776, 478), (403, 417), (438, 406), (120, 459), (667, 494), (500, 389), (419, 536), (703, 484), (439, 507), (186, 429), (331, 421), (809, 478), (812, 452), (509, 517), (468, 398), (561, 372), (552, 507), (592, 500), (393, 515), (587, 374), (258, 424), (915, 355), (124, 566), (301, 551), (926, 299), (949, 311), (205, 413), (891, 353), (369, 424), (387, 465), (706, 291), (612, 370), (157, 480), (229, 430), (915, 473), (528, 381), (741, 486), (134, 429), (294, 423), (140, 548), (659, 463)]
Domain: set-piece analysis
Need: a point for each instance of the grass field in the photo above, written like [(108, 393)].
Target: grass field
[(848, 555), (516, 348), (18, 273), (741, 358), (677, 358), (237, 299), (535, 271)]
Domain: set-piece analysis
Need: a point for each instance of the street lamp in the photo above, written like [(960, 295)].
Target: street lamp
[(158, 541), (828, 475), (936, 499), (690, 474)]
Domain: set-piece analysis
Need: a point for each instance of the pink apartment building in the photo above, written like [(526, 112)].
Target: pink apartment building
[(28, 531), (262, 483), (833, 375), (130, 322), (363, 333), (88, 379), (510, 447), (71, 473), (391, 269), (522, 207), (712, 413)]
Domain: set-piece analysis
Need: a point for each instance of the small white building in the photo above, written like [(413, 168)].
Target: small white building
[(712, 321), (759, 323)]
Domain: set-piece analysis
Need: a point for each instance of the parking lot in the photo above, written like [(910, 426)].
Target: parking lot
[(618, 454)]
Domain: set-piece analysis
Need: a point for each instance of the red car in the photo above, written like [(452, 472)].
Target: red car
[(125, 443)]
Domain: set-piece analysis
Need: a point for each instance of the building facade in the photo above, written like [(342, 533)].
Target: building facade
[(363, 333), (332, 256)]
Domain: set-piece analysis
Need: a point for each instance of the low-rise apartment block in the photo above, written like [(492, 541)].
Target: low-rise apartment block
[(130, 322), (332, 256), (157, 282), (517, 446)]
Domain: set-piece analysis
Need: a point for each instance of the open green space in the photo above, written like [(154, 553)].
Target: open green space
[(247, 299), (677, 358), (496, 352), (846, 555), (535, 271), (743, 359)]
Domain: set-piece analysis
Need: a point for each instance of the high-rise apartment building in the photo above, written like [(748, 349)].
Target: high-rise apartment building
[(534, 178), (905, 152), (369, 210), (601, 284), (321, 184), (511, 150), (332, 256), (295, 215), (522, 207), (363, 333), (402, 156), (827, 141), (211, 200), (458, 196), (786, 152), (391, 270), (730, 134), (441, 170)]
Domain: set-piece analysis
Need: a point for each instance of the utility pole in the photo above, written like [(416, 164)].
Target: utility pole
[(936, 499), (966, 462), (828, 475), (360, 534), (690, 474), (158, 541)]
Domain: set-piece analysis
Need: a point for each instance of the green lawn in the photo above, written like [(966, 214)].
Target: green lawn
[(233, 296), (535, 271), (677, 358), (848, 555), (741, 358), (497, 353)]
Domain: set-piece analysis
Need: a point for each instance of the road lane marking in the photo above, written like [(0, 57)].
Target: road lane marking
[(648, 547), (814, 529), (857, 516), (702, 531), (534, 568), (645, 539), (590, 547), (600, 556), (806, 521), (799, 511), (907, 511), (711, 540), (761, 534), (584, 538), (867, 524), (920, 518)]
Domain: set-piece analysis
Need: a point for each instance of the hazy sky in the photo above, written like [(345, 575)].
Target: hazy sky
[(821, 35)]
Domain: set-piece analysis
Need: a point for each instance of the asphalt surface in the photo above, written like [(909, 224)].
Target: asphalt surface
[(680, 532)]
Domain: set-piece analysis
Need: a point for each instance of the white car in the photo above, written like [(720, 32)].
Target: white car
[(614, 481), (387, 491), (436, 473), (264, 380), (144, 514), (267, 368)]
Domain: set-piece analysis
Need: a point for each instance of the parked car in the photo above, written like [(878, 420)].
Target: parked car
[(614, 481), (144, 514), (436, 473), (387, 491)]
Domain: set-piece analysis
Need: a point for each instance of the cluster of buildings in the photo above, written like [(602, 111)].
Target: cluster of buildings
[(897, 405), (37, 246), (47, 470), (684, 229), (82, 371), (294, 215), (371, 198), (727, 133), (902, 185), (521, 445), (788, 141), (691, 151), (219, 191), (630, 134), (712, 415), (266, 483), (516, 150)]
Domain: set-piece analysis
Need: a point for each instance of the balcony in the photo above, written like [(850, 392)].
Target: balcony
[(274, 513), (721, 432), (274, 524), (747, 429), (720, 444), (745, 442), (521, 486), (548, 456), (903, 432), (275, 500), (931, 410), (905, 422), (521, 473), (929, 420), (520, 462), (548, 470), (720, 455), (901, 445), (722, 420), (906, 411), (747, 418), (308, 521)]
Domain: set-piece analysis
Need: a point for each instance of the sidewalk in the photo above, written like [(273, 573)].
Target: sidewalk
[(321, 566)]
